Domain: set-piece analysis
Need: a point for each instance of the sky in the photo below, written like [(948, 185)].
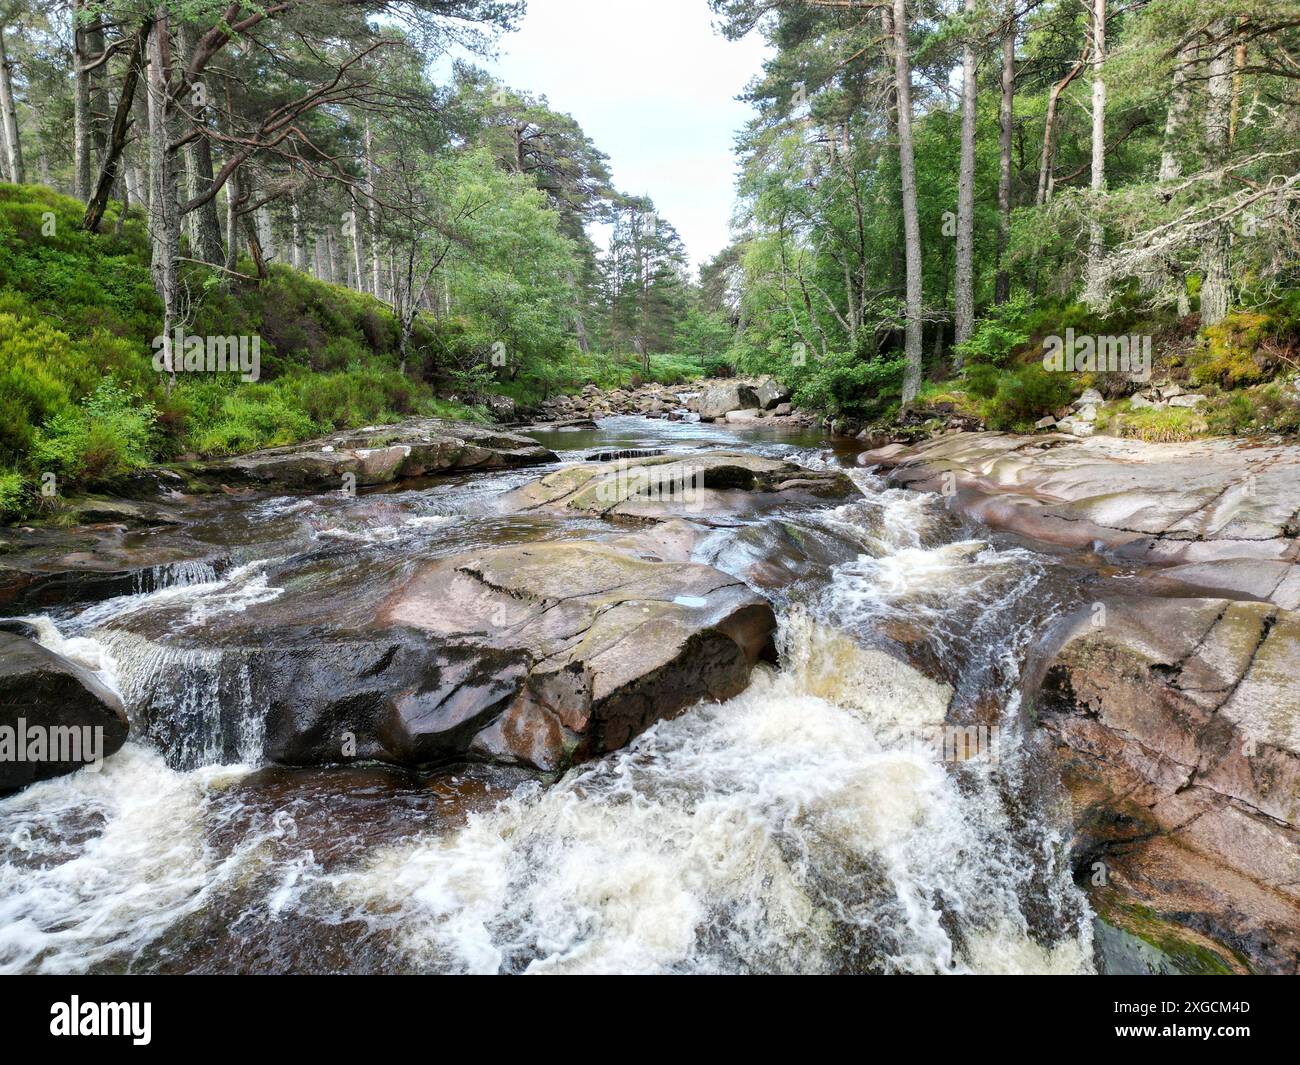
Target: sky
[(654, 86)]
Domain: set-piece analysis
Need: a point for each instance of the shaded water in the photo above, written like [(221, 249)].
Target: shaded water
[(807, 825)]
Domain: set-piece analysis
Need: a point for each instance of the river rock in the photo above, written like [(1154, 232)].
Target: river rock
[(1178, 721), (720, 399), (704, 484), (377, 455), (771, 393), (41, 690), (534, 655)]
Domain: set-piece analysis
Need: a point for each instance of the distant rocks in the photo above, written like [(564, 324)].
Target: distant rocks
[(710, 400), (55, 716), (654, 488)]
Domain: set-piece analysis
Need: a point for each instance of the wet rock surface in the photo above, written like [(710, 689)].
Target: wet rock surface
[(1214, 515), (1179, 723), (55, 716), (536, 655), (1174, 710)]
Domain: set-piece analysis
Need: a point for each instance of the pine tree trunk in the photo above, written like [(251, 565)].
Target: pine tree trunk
[(1180, 99), (205, 226), (372, 210), (9, 115), (358, 252), (1002, 281), (81, 121), (1096, 231), (164, 223), (99, 116), (964, 294), (298, 253), (1216, 281), (911, 223)]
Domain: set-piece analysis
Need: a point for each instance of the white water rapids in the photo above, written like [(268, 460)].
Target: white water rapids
[(796, 828)]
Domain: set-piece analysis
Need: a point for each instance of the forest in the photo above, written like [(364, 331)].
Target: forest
[(925, 192)]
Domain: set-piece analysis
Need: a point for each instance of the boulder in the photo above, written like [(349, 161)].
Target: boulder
[(715, 402), (771, 393), (377, 455), (535, 655), (55, 716), (711, 483)]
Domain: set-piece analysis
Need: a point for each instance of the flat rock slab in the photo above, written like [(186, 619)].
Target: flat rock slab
[(702, 485), (378, 455), (55, 716), (534, 655), (1223, 516)]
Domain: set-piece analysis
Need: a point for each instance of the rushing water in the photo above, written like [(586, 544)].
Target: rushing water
[(808, 825)]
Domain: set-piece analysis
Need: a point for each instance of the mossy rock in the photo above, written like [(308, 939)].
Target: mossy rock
[(1233, 355)]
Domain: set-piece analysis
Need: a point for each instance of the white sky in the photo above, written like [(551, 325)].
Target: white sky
[(655, 88)]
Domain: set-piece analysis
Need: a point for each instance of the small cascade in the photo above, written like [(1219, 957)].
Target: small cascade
[(175, 575), (195, 705)]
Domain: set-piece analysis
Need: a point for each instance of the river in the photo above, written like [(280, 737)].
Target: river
[(800, 827)]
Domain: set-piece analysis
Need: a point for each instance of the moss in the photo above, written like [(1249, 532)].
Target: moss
[(1189, 952), (1232, 354)]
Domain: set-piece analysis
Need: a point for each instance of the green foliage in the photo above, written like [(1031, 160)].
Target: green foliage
[(110, 433), (846, 383), (706, 337), (1270, 408), (14, 495), (982, 379), (997, 335), (1026, 394), (1233, 353)]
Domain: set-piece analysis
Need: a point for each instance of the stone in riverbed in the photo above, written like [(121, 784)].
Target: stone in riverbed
[(770, 393), (40, 690), (716, 402), (534, 655), (712, 483), (1188, 507), (378, 455)]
